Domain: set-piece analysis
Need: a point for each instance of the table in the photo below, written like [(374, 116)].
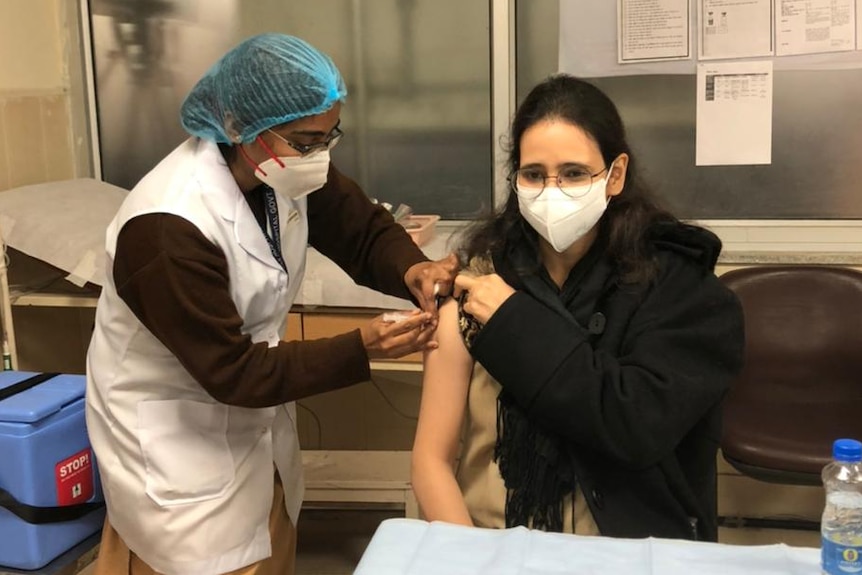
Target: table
[(414, 547)]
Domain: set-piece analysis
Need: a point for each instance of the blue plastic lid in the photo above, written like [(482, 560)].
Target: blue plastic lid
[(39, 402), (847, 450)]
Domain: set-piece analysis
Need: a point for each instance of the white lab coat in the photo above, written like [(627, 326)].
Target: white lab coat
[(189, 480)]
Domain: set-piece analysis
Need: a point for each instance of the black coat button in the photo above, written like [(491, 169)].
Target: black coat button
[(596, 325), (598, 498)]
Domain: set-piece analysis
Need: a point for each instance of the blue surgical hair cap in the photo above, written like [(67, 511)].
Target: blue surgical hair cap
[(265, 81)]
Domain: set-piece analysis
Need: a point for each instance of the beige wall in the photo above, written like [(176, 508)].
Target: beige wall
[(30, 43), (40, 86)]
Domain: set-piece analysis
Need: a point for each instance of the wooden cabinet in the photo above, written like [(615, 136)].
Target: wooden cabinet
[(356, 441), (294, 327), (379, 414)]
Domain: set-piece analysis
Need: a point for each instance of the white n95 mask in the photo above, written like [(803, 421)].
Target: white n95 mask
[(295, 177), (562, 219)]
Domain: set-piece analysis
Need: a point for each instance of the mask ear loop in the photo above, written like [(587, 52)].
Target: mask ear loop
[(254, 166), (607, 180), (269, 151), (249, 161)]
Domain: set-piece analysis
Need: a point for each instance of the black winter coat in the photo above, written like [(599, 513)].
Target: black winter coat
[(631, 378)]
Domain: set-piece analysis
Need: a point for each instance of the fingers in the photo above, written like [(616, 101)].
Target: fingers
[(482, 296), (443, 274), (419, 339), (441, 280), (451, 263), (428, 280), (428, 299), (403, 322), (463, 282), (439, 289), (412, 332)]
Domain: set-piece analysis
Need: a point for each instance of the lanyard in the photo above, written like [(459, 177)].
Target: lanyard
[(273, 240)]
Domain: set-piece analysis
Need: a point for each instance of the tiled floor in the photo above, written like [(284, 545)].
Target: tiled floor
[(331, 542)]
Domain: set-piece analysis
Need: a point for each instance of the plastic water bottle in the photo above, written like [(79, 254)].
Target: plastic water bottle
[(841, 527)]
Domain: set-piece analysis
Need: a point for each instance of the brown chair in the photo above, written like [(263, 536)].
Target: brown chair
[(801, 386)]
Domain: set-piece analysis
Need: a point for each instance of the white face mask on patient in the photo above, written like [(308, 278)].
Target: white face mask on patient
[(293, 176), (561, 219)]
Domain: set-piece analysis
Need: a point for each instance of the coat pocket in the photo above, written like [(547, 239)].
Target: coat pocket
[(185, 449)]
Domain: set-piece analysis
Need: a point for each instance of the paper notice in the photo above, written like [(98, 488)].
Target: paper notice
[(734, 113), (653, 30)]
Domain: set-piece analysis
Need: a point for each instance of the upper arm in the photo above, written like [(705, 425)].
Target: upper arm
[(169, 273), (444, 390)]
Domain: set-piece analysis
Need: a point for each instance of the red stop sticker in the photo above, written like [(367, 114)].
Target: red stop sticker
[(74, 478)]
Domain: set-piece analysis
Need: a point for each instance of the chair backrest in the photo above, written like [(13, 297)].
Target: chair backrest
[(803, 329), (802, 379)]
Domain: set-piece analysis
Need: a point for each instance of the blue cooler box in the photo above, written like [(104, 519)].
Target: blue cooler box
[(50, 496)]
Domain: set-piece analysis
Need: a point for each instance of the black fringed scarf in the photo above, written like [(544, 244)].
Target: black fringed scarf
[(536, 466)]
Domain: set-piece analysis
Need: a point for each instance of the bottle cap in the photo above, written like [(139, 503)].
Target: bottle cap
[(847, 450)]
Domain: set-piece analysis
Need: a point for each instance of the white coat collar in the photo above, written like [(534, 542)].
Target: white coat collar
[(223, 194)]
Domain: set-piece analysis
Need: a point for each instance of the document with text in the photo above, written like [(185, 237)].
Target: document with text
[(653, 30), (734, 113), (815, 26), (734, 29)]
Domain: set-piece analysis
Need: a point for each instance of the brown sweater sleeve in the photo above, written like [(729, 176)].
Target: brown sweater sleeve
[(362, 238), (176, 283)]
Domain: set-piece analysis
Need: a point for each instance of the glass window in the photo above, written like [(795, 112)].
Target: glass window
[(417, 120)]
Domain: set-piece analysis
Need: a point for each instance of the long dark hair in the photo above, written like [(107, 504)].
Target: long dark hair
[(628, 216)]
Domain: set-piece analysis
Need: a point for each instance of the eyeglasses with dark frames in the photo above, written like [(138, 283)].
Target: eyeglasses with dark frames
[(328, 143)]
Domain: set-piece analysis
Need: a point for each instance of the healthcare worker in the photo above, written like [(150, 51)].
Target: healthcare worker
[(190, 388)]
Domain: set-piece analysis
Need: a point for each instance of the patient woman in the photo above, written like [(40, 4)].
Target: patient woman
[(578, 379)]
